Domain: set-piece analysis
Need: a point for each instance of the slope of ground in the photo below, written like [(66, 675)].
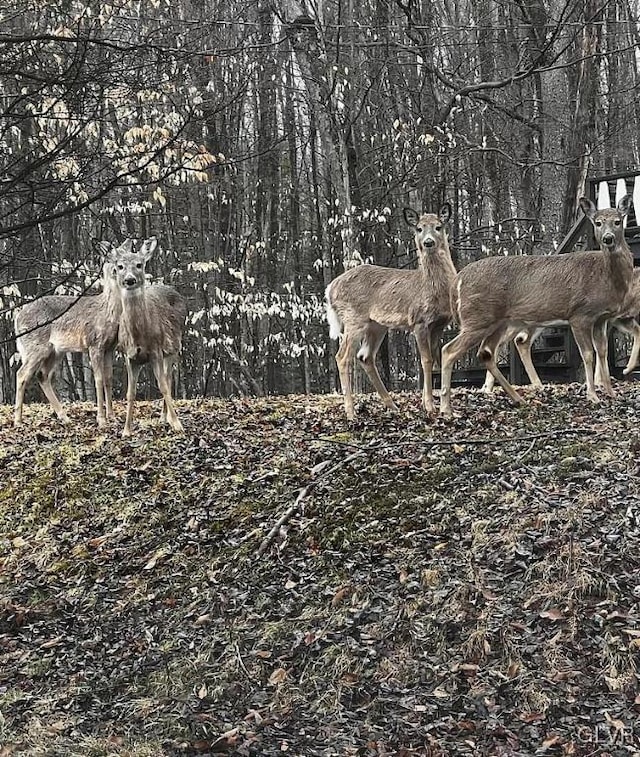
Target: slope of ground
[(433, 588)]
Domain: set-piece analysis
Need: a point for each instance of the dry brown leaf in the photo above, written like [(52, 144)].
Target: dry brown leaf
[(340, 595), (278, 676), (555, 613)]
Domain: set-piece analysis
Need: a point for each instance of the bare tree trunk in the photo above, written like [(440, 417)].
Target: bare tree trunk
[(582, 136)]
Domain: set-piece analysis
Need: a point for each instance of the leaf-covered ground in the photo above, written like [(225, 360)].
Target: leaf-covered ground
[(440, 588)]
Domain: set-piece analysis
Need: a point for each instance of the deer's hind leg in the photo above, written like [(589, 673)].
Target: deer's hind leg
[(25, 373), (487, 352), (344, 358), (632, 327), (164, 385), (46, 365), (523, 342), (451, 351), (372, 339), (170, 362)]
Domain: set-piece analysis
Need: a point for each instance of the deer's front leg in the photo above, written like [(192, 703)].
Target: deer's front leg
[(96, 358), (133, 371), (424, 342), (583, 333)]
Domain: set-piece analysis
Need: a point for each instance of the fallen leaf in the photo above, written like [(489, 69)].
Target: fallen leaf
[(555, 613), (278, 676)]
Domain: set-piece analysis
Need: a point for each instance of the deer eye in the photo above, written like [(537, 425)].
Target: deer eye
[(598, 224), (438, 228), (617, 222), (120, 267), (138, 265), (419, 228)]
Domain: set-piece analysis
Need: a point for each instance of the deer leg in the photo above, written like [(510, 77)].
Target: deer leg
[(23, 376), (451, 351), (489, 380), (164, 385), (489, 383), (487, 355), (371, 342), (583, 334), (96, 358), (108, 383), (50, 394), (344, 358), (133, 371), (436, 338), (169, 364), (425, 348), (630, 326), (601, 343), (46, 368), (523, 341)]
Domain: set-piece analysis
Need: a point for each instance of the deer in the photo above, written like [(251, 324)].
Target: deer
[(495, 297), (363, 303), (52, 325), (627, 324), (150, 330)]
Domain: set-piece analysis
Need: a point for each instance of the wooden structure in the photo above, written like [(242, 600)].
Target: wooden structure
[(555, 353)]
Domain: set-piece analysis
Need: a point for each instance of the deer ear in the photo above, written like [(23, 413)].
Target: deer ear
[(588, 208), (445, 212), (624, 205), (127, 245), (410, 217)]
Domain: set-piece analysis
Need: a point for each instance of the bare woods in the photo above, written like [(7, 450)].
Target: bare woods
[(271, 146)]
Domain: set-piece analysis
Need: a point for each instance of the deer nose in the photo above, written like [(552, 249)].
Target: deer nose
[(130, 281), (608, 238), (428, 242)]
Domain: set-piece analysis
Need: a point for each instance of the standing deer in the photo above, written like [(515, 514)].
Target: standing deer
[(630, 325), (53, 325), (365, 302), (627, 324), (151, 324), (495, 296)]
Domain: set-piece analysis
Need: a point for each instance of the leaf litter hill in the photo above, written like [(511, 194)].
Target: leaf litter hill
[(277, 580)]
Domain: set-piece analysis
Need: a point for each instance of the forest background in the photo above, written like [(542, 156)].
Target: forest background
[(269, 144)]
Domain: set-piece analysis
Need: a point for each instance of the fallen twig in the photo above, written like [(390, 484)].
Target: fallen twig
[(288, 513), (374, 447)]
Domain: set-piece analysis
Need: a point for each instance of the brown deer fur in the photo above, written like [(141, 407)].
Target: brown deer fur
[(53, 325), (151, 324), (365, 302), (495, 296)]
